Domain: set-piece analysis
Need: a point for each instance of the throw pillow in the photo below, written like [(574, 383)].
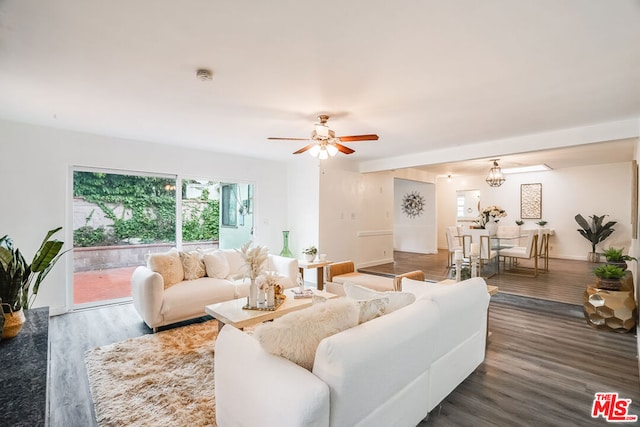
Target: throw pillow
[(168, 265), (192, 265), (397, 300), (295, 336), (372, 308), (368, 309), (216, 264)]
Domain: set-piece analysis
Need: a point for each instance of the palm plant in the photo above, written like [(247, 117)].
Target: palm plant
[(595, 232), (17, 276)]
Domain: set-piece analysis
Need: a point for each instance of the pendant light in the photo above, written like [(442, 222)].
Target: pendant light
[(495, 177)]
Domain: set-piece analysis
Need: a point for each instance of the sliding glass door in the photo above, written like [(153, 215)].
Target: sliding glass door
[(120, 217)]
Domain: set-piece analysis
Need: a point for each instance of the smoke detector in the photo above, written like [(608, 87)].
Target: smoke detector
[(204, 74)]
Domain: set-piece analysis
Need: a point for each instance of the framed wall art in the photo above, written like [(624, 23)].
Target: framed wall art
[(531, 201)]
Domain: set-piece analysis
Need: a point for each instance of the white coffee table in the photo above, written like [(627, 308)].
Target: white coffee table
[(232, 313)]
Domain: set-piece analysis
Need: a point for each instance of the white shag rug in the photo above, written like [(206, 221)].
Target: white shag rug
[(164, 379)]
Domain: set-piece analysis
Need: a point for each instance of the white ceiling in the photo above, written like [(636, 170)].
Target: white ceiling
[(424, 75)]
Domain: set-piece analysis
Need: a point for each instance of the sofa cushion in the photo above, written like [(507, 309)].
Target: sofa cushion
[(396, 300), (237, 265), (168, 265), (295, 336), (192, 265), (188, 298), (216, 264)]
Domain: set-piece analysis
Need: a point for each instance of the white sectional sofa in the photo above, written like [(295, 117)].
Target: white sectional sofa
[(389, 371), (223, 280)]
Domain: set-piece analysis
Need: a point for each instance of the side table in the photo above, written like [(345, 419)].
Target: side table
[(609, 310), (319, 265)]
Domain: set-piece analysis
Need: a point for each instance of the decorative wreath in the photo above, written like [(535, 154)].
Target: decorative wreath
[(413, 204)]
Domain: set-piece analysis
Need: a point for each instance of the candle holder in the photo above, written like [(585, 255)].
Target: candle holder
[(474, 265)]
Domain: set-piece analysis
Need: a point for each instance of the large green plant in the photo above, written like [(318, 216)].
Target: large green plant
[(596, 231), (17, 276)]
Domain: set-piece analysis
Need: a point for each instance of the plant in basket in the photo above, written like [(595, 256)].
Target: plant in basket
[(609, 277), (615, 257), (20, 280)]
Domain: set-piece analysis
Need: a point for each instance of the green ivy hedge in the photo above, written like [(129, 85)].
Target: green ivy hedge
[(150, 201)]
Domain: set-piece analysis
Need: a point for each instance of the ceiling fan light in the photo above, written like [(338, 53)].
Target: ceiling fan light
[(323, 154), (322, 131), (315, 150), (332, 149)]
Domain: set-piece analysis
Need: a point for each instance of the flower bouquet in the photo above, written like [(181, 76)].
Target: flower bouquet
[(254, 258), (491, 214)]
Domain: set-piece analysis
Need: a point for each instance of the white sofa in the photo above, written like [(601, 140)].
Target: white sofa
[(186, 299), (390, 371)]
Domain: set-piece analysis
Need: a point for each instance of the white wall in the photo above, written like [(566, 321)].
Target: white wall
[(416, 234), (599, 189), (36, 194), (356, 219), (303, 212)]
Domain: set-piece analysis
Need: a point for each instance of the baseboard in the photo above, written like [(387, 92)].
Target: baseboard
[(57, 311), (372, 263)]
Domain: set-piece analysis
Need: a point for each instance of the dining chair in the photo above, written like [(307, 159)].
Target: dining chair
[(453, 242), (486, 254), (543, 247), (528, 251), (509, 235)]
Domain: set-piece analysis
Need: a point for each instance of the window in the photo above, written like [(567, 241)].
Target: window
[(229, 211)]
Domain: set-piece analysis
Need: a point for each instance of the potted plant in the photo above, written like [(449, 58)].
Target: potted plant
[(595, 232), (465, 273), (609, 277), (542, 223), (615, 257), (309, 253), (20, 281)]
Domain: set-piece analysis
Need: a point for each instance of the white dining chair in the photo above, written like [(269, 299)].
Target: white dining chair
[(528, 251), (454, 242)]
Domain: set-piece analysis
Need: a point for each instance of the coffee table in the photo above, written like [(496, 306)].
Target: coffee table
[(232, 313)]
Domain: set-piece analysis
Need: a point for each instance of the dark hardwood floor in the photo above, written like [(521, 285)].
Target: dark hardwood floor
[(543, 362), (565, 281)]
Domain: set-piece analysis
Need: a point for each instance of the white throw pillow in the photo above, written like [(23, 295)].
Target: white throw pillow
[(372, 308), (168, 265), (397, 300), (368, 309), (295, 336), (216, 264), (192, 265)]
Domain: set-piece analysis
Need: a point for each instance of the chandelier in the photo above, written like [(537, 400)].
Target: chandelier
[(495, 177)]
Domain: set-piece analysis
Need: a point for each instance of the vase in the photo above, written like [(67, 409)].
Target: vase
[(285, 252), (12, 323), (253, 294), (271, 297), (491, 227)]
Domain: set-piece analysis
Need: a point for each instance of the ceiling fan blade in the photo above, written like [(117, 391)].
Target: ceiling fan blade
[(355, 138), (288, 139), (303, 149), (344, 149)]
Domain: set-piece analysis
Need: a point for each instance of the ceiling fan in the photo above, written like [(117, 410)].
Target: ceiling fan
[(325, 143)]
